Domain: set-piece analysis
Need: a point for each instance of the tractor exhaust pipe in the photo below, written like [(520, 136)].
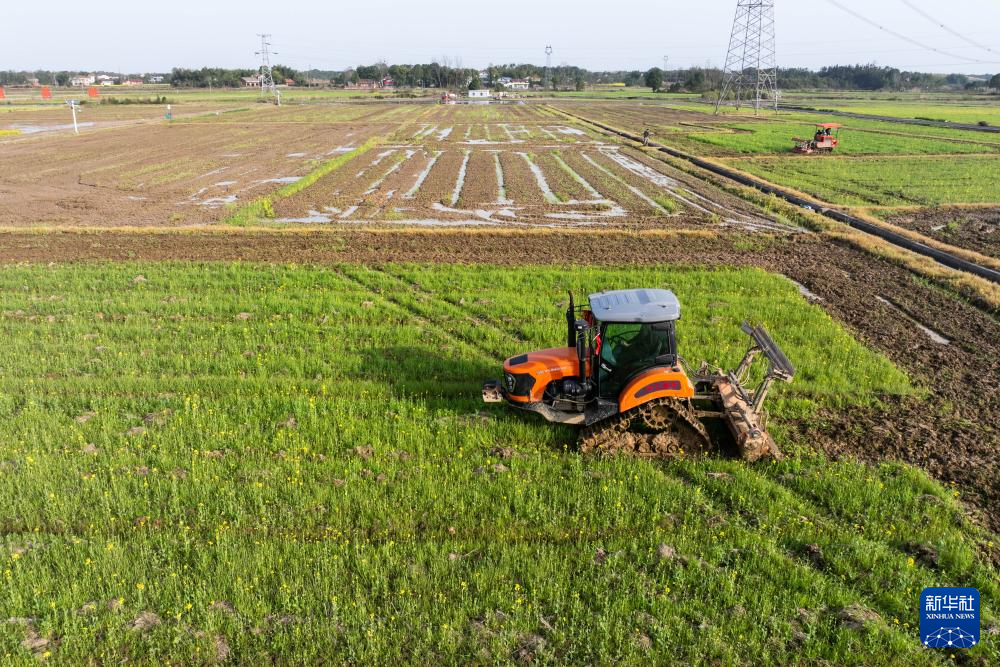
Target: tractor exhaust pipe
[(571, 323)]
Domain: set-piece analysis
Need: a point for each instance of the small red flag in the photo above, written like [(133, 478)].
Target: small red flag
[(46, 93)]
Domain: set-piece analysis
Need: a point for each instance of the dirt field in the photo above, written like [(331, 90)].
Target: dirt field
[(973, 228), (186, 173), (514, 180)]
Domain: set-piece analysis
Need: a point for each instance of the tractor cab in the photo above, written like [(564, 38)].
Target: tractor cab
[(633, 330), (827, 138)]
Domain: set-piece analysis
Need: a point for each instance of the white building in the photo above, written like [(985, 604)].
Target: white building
[(482, 94), (85, 80), (517, 84)]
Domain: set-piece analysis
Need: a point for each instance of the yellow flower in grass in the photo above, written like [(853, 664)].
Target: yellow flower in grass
[(141, 586)]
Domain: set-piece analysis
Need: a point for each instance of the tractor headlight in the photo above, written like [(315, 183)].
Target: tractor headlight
[(518, 384)]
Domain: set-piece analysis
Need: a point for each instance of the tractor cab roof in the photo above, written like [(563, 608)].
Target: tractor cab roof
[(635, 305), (829, 126)]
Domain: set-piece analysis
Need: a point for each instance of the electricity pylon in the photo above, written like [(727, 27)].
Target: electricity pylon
[(751, 72), (266, 78)]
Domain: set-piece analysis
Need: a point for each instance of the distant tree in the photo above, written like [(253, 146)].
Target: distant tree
[(556, 80), (995, 82), (581, 82), (654, 79), (368, 72), (474, 83), (695, 81)]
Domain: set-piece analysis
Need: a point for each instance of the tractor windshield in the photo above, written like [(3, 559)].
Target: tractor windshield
[(627, 349)]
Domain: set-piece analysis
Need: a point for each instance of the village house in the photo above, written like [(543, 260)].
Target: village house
[(250, 81), (516, 84), (84, 80), (362, 84)]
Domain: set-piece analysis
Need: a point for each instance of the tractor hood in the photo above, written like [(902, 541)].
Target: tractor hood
[(527, 375)]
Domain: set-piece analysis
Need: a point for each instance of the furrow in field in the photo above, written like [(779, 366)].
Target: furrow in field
[(520, 184), (613, 187), (439, 185), (460, 179), (422, 176), (566, 185), (501, 185), (481, 187), (543, 184)]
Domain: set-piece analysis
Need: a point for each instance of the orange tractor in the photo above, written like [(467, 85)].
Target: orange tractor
[(826, 139), (621, 379)]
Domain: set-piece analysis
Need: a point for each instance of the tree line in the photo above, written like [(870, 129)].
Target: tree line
[(837, 77), (451, 74), (218, 77)]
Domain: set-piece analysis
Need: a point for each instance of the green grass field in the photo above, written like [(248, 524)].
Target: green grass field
[(985, 109), (776, 138), (886, 181), (291, 464)]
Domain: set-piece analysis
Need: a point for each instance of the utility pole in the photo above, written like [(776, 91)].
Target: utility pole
[(74, 106), (266, 78), (665, 59), (751, 70), (548, 64)]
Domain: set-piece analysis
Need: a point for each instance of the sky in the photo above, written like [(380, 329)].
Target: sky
[(132, 36)]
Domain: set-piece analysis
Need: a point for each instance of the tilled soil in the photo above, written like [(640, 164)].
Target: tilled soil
[(953, 433), (183, 174), (973, 228)]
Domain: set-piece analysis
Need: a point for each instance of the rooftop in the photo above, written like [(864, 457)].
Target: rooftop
[(636, 305)]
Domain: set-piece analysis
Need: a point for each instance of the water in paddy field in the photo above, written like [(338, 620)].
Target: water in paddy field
[(35, 129)]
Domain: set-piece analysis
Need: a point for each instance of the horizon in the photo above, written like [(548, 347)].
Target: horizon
[(473, 38)]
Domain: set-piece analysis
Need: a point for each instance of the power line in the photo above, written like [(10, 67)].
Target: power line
[(946, 28), (899, 35)]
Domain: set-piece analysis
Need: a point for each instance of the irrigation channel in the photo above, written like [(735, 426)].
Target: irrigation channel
[(942, 257)]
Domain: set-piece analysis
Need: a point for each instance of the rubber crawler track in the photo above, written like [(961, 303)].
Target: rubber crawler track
[(613, 435)]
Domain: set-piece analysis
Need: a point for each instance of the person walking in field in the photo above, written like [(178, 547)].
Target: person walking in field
[(645, 137)]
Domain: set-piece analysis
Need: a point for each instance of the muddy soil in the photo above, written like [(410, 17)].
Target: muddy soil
[(972, 228), (954, 433)]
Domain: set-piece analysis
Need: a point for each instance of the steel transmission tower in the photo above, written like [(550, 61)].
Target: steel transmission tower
[(548, 66), (751, 68), (265, 76)]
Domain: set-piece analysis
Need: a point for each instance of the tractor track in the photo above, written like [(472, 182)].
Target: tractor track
[(946, 258), (613, 435)]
